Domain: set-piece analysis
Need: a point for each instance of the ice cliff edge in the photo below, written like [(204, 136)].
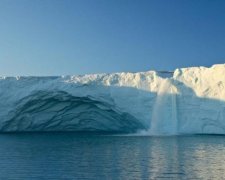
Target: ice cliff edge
[(190, 100)]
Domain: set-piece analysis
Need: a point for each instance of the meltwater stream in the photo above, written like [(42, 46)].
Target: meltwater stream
[(164, 115)]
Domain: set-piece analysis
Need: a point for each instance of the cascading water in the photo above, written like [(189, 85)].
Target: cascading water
[(164, 116), (174, 122)]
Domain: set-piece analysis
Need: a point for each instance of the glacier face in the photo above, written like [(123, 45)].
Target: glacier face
[(188, 100)]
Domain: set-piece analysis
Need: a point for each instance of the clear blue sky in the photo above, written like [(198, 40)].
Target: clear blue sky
[(55, 37)]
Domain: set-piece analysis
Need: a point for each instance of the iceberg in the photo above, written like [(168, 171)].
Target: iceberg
[(186, 101)]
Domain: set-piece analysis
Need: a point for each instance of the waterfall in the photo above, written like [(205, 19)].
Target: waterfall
[(164, 114), (174, 110)]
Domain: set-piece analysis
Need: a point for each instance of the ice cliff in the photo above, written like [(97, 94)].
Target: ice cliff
[(188, 100)]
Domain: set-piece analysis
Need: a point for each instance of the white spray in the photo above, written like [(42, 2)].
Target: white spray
[(164, 115)]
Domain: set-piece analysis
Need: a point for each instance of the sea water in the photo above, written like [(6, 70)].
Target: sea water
[(97, 156)]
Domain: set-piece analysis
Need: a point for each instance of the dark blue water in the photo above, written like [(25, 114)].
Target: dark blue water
[(88, 156)]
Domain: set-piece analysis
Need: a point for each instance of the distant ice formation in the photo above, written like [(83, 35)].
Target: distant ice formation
[(186, 101)]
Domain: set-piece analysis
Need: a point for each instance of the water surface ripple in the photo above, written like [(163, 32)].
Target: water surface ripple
[(88, 156)]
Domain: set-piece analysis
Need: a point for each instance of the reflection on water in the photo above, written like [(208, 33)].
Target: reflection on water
[(74, 156)]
